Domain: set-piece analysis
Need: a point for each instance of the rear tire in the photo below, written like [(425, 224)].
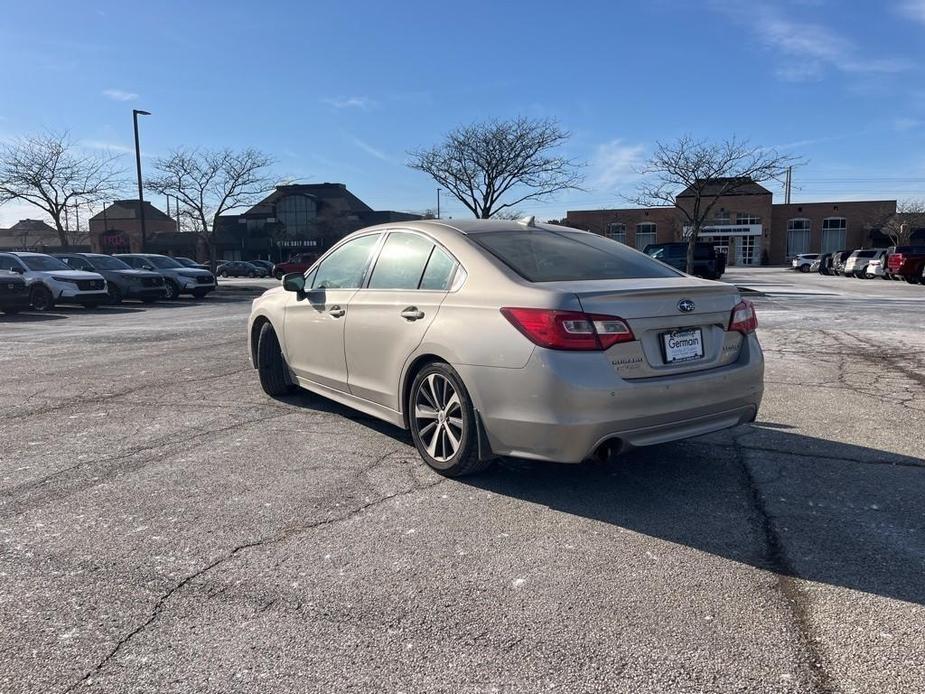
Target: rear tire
[(271, 365), (804, 268), (439, 413), (173, 290), (41, 298)]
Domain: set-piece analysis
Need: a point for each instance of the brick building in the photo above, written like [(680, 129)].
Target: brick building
[(117, 229), (748, 226)]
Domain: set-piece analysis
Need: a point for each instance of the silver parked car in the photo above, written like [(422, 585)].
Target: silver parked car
[(488, 338)]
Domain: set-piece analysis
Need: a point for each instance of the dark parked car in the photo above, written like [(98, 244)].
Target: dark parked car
[(239, 268), (839, 258), (122, 281), (178, 279), (14, 292), (823, 264), (708, 263), (265, 264), (906, 263), (189, 262), (297, 263)]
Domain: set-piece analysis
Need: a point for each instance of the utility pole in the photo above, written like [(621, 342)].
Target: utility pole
[(438, 202), (141, 199), (788, 182)]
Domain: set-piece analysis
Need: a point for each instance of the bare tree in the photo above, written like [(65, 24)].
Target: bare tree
[(53, 174), (209, 183), (693, 175), (910, 215), (492, 166)]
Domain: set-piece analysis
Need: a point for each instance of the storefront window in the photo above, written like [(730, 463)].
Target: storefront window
[(617, 232), (834, 234), (645, 234), (798, 237)]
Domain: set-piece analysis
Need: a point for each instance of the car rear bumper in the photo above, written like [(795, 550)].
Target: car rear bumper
[(563, 405)]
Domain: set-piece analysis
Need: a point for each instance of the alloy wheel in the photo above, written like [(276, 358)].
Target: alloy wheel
[(439, 418)]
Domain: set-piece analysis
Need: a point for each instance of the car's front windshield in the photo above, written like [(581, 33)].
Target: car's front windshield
[(107, 262), (162, 261), (43, 263), (185, 261)]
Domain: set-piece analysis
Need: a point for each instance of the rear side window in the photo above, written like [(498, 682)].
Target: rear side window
[(439, 271), (401, 262), (345, 267), (555, 256)]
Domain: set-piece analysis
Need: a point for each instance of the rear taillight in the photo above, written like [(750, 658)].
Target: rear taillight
[(743, 318), (570, 330)]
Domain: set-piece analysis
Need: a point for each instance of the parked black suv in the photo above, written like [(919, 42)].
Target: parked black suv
[(14, 293), (708, 263), (122, 280)]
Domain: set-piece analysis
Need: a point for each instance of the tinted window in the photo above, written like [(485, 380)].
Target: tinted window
[(78, 263), (107, 262), (8, 263), (439, 271), (553, 256), (401, 262), (345, 267), (43, 263), (162, 261)]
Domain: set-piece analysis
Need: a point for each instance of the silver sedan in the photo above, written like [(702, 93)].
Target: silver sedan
[(493, 338)]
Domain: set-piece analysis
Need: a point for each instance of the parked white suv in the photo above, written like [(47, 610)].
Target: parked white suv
[(51, 281), (804, 261), (858, 261)]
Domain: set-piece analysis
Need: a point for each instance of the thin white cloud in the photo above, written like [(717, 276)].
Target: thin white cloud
[(913, 9), (369, 149), (119, 95), (107, 146), (807, 49), (614, 165), (362, 103), (905, 124)]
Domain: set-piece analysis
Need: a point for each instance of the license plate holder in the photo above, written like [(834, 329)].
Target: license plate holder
[(681, 345)]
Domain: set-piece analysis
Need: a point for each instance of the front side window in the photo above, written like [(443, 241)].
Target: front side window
[(401, 262), (554, 256), (645, 235), (8, 262), (161, 261), (346, 266)]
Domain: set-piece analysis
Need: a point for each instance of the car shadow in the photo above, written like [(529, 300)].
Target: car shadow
[(810, 508), (29, 317), (308, 400)]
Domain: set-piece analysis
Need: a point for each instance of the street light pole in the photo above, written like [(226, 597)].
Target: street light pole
[(141, 199), (438, 202)]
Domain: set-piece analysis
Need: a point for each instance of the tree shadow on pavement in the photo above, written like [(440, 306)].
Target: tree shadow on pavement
[(830, 512), (29, 317)]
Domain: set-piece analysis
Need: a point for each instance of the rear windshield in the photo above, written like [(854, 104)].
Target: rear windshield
[(541, 255), (865, 254)]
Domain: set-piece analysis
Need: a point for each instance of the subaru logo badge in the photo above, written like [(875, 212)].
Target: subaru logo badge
[(686, 306)]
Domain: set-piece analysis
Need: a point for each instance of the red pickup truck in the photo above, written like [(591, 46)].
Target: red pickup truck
[(297, 263), (906, 263)]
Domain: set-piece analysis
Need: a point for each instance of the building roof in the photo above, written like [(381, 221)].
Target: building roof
[(716, 186), (318, 191), (27, 233), (128, 209), (31, 225)]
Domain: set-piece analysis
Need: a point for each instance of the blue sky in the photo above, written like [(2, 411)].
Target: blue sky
[(340, 91)]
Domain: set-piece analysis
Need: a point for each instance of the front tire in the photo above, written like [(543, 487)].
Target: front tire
[(115, 295), (271, 365), (41, 298), (173, 290), (442, 422), (804, 268)]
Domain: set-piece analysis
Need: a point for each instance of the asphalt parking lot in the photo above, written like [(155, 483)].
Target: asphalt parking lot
[(166, 527)]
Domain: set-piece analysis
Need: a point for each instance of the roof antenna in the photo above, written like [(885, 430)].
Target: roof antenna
[(529, 222)]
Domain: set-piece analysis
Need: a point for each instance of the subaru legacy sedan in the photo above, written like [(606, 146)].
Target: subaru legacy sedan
[(498, 338)]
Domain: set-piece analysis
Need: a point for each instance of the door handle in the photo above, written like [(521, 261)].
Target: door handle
[(412, 313), (337, 311)]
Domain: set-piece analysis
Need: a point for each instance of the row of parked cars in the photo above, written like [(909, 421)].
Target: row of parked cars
[(40, 281), (895, 263)]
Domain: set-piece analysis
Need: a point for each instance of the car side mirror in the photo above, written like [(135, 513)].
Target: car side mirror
[(294, 282)]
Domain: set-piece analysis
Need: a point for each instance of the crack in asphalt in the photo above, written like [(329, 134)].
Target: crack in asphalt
[(786, 581), (280, 536)]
